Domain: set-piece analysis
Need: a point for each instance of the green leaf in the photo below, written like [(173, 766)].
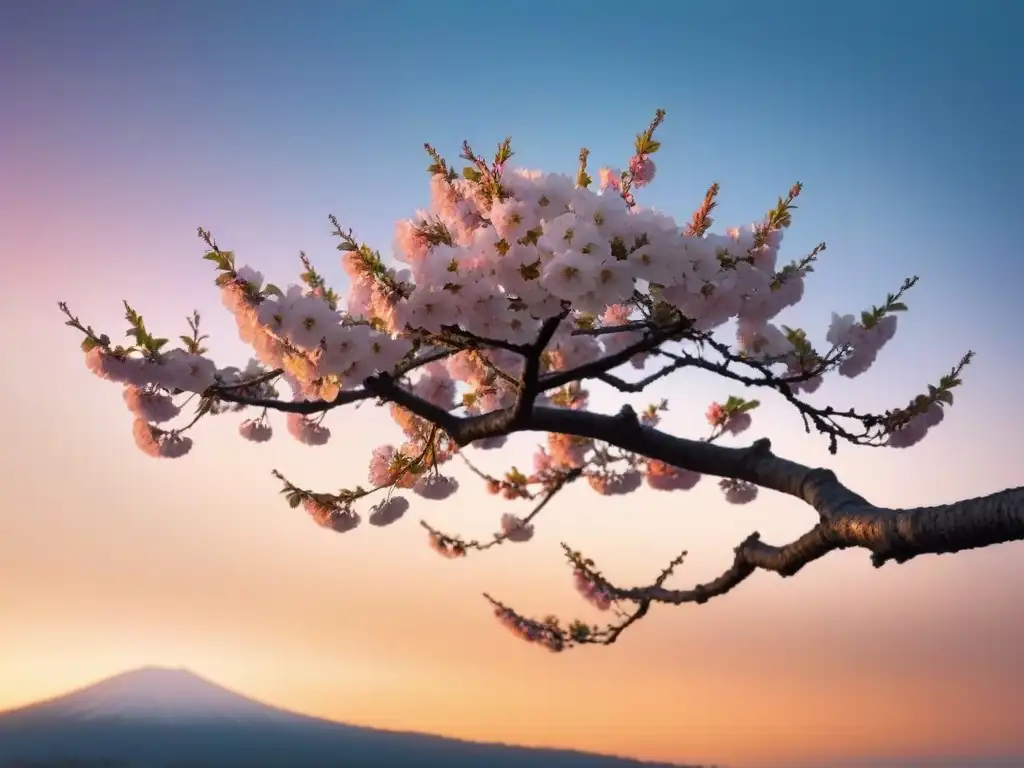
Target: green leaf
[(212, 256), (653, 146), (897, 306), (140, 336), (472, 174), (131, 315), (347, 246), (272, 290), (578, 630), (223, 279), (88, 344), (749, 406), (945, 396), (294, 500)]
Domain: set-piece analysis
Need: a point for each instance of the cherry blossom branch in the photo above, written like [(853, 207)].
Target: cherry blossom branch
[(845, 520), (635, 325), (888, 534), (230, 393), (598, 368), (469, 340), (304, 407), (333, 356), (550, 632), (750, 555), (346, 497), (249, 383), (446, 541), (639, 386), (595, 368), (529, 384), (386, 387), (822, 418), (477, 471)]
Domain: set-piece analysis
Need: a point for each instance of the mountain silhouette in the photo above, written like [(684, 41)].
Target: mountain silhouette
[(171, 718)]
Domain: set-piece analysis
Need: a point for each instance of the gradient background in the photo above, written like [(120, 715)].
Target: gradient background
[(123, 125)]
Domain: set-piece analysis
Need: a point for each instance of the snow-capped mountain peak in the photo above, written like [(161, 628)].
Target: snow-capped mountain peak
[(154, 693)]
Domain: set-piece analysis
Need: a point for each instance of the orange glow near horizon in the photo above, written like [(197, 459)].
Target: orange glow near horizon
[(373, 628)]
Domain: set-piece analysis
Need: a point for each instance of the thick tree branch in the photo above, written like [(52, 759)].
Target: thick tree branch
[(890, 534), (595, 368), (639, 386), (234, 393), (751, 555), (386, 387), (529, 388), (847, 519), (305, 407)]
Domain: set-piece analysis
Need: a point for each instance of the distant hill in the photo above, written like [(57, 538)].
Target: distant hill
[(167, 718)]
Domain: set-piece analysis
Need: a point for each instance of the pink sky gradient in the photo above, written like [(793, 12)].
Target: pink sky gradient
[(111, 560)]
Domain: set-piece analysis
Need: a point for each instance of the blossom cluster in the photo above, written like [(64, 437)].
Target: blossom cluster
[(497, 253), (546, 635), (591, 591), (496, 269)]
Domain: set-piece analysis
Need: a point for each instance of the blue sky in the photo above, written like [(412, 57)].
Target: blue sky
[(901, 118)]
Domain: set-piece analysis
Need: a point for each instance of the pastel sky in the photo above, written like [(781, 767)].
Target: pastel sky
[(124, 125)]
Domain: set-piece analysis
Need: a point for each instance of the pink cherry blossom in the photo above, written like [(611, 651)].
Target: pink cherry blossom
[(442, 334), (436, 487), (514, 529), (642, 168), (255, 430), (738, 491), (389, 511), (152, 406)]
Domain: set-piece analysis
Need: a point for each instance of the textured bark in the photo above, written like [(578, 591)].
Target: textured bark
[(845, 518)]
